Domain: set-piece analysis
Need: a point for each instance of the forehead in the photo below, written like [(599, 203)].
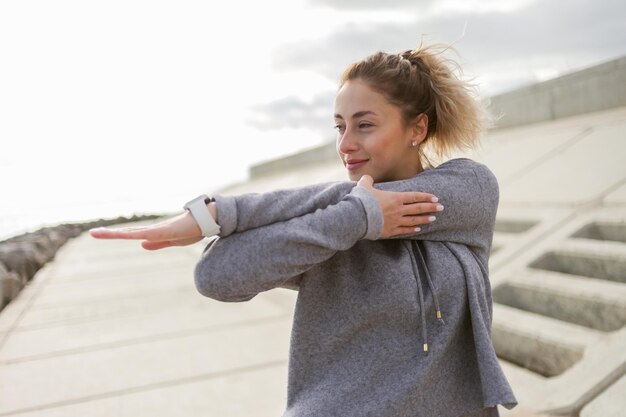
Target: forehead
[(356, 95)]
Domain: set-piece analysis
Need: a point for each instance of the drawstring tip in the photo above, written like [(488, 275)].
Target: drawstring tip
[(425, 347), (438, 314)]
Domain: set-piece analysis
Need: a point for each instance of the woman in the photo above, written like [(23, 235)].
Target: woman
[(378, 269)]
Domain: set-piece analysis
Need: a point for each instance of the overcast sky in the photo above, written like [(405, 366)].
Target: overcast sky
[(110, 106)]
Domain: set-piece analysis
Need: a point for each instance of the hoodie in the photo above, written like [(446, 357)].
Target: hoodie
[(382, 327)]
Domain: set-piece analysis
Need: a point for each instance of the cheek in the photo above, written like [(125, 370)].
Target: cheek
[(380, 148)]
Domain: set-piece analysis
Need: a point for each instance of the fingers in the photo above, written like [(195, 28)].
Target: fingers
[(414, 221), (119, 233), (366, 181), (148, 245), (175, 229), (140, 232), (152, 245), (416, 197), (421, 208)]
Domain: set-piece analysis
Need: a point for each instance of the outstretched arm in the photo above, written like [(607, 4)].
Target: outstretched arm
[(468, 191), (402, 212)]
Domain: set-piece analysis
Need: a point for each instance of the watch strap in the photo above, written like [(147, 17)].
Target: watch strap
[(200, 212)]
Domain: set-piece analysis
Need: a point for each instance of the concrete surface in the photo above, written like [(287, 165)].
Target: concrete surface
[(109, 329), (597, 88), (611, 403)]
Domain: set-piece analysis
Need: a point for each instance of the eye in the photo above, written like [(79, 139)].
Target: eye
[(338, 127), (365, 125)]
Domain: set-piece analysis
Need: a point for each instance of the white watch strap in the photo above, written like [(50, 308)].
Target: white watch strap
[(201, 214)]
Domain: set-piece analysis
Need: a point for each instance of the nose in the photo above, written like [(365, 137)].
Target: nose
[(346, 143)]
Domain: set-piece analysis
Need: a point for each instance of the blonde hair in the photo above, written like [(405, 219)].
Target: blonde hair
[(422, 80)]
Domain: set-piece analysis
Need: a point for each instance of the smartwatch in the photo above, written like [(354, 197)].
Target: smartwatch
[(200, 212)]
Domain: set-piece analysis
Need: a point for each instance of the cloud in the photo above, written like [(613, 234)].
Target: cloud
[(578, 32), (372, 4), (294, 112), (504, 50)]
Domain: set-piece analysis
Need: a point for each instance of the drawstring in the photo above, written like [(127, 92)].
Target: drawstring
[(421, 301), (420, 290), (430, 283)]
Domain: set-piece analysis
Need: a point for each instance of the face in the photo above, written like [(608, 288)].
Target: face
[(372, 138)]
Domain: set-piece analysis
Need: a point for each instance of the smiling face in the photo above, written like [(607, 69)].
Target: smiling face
[(372, 136)]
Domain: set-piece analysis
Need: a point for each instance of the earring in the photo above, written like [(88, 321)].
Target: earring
[(414, 143)]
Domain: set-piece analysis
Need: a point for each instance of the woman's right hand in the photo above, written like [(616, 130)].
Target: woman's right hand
[(403, 212), (180, 230)]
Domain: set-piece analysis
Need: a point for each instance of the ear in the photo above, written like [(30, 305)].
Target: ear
[(419, 128)]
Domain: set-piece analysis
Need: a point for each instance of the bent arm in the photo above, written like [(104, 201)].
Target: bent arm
[(239, 266), (467, 190), (248, 211), (470, 194)]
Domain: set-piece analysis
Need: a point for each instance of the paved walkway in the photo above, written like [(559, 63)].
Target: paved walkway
[(109, 329)]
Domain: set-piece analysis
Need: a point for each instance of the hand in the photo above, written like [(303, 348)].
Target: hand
[(181, 230), (403, 212)]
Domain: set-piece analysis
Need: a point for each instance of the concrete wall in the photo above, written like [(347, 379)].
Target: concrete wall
[(312, 156), (593, 89)]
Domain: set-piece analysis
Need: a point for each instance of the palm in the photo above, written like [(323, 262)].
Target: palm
[(180, 230)]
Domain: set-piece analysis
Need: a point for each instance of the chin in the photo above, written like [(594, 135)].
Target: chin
[(354, 176)]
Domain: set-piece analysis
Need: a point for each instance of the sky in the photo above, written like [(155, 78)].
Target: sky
[(120, 107)]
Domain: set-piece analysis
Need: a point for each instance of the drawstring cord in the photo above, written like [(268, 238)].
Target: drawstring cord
[(420, 290), (421, 301), (438, 314)]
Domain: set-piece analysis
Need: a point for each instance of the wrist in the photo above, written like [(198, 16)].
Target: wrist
[(212, 206), (199, 209)]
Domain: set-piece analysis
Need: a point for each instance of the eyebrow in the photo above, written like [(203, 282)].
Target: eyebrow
[(357, 114)]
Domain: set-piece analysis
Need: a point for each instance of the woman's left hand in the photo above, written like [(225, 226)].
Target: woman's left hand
[(403, 212), (180, 230)]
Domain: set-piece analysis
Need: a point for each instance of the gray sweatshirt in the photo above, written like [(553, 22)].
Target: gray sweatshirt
[(366, 337)]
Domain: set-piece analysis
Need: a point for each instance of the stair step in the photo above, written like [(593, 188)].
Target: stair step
[(606, 231), (541, 344), (514, 226), (587, 257), (588, 302)]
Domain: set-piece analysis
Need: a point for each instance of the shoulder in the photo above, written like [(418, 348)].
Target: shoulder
[(485, 177), (463, 163)]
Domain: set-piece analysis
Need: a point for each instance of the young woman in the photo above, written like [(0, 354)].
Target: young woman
[(377, 269)]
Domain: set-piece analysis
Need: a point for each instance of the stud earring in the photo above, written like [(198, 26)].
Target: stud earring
[(414, 143)]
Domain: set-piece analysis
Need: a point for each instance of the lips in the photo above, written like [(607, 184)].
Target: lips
[(354, 164)]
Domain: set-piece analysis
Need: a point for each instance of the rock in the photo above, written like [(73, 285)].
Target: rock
[(10, 285), (24, 258), (42, 241)]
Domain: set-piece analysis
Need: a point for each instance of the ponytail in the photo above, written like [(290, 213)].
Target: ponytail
[(422, 80)]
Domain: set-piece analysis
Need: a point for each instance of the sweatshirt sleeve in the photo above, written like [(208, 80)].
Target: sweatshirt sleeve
[(468, 190), (248, 211), (469, 193), (239, 266)]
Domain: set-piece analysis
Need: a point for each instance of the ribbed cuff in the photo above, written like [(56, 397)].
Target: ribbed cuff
[(226, 214), (373, 212)]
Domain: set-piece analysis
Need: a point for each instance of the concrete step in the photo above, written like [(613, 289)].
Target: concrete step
[(514, 226), (587, 257), (541, 344), (603, 363), (598, 304), (603, 230)]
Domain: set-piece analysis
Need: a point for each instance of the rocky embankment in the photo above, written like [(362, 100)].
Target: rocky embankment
[(22, 256)]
